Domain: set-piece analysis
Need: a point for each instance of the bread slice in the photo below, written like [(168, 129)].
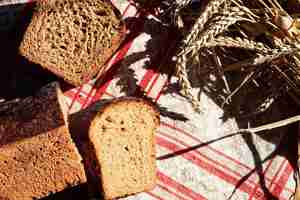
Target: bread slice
[(122, 139), (73, 38), (37, 154)]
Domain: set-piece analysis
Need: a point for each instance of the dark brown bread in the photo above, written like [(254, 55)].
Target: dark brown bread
[(37, 154), (122, 139), (73, 38)]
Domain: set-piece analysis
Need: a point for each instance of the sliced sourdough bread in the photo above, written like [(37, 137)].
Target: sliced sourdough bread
[(123, 142), (37, 154), (73, 38)]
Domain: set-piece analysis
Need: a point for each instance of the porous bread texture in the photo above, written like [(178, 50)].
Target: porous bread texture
[(122, 136), (37, 154), (73, 38)]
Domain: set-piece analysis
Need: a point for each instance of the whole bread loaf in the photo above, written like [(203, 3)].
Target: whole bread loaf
[(73, 38), (122, 146), (37, 154)]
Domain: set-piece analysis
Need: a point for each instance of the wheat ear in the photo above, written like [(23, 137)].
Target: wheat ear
[(237, 42), (218, 25), (211, 9), (185, 83)]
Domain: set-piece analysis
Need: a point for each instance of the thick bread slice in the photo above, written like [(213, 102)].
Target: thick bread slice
[(73, 38), (37, 154), (122, 138)]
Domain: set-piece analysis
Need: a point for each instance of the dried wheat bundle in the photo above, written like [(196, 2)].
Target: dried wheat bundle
[(211, 28), (263, 28)]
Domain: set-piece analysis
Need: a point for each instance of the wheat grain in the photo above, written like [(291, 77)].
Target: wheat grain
[(181, 4)]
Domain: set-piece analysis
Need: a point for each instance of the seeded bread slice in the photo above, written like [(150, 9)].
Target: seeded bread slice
[(37, 154), (122, 138), (73, 38)]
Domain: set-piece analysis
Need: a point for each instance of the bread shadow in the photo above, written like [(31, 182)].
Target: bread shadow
[(78, 192), (19, 77), (79, 124), (153, 52)]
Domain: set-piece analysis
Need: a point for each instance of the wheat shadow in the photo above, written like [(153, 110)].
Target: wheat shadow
[(243, 107), (157, 57), (252, 105), (211, 81), (159, 49)]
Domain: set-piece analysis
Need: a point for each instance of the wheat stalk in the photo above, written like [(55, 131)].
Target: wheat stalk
[(246, 79), (261, 59)]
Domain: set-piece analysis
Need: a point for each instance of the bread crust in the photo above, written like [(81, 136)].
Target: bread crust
[(31, 48), (106, 189), (37, 154)]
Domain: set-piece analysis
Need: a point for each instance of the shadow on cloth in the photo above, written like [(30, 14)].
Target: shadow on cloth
[(261, 105), (282, 108), (211, 82)]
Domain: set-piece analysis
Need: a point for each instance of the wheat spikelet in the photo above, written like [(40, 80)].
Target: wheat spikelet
[(237, 42)]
